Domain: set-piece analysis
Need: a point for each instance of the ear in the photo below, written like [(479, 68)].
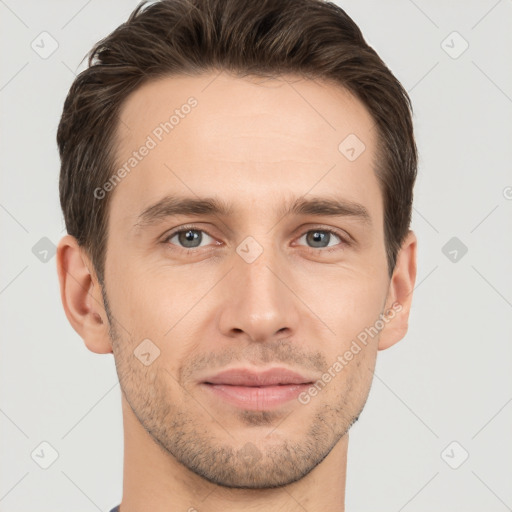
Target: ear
[(399, 298), (81, 297)]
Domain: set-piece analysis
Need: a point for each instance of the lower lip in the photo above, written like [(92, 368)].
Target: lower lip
[(257, 398)]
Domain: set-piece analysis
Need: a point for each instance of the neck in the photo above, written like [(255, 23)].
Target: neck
[(154, 480)]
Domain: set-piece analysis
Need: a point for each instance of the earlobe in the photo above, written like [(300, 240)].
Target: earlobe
[(81, 296), (399, 299)]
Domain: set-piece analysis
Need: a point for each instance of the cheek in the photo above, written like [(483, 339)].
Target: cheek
[(347, 302), (162, 305), (147, 300), (350, 306)]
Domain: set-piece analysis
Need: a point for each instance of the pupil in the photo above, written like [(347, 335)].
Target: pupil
[(319, 237), (191, 236)]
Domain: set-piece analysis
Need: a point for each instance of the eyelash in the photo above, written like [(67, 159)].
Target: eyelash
[(344, 240)]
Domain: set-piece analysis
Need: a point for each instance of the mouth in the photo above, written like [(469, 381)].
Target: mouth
[(257, 391)]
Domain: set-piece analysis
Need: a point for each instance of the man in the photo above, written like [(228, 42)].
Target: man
[(237, 182)]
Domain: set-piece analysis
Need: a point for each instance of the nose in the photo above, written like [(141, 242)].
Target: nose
[(259, 303)]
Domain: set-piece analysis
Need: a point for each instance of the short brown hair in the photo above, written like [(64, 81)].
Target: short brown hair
[(310, 38)]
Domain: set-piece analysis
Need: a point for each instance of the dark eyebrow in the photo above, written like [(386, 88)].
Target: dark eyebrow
[(328, 207), (170, 206)]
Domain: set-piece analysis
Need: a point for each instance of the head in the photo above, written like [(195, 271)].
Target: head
[(237, 182)]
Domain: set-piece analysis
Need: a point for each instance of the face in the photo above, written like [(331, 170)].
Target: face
[(250, 285)]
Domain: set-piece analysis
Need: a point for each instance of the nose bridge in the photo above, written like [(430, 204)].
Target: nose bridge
[(258, 301), (260, 284)]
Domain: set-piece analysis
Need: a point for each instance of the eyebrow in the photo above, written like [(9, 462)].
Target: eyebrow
[(170, 206)]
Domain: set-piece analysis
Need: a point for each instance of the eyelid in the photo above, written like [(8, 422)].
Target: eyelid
[(345, 241), (186, 227), (345, 238)]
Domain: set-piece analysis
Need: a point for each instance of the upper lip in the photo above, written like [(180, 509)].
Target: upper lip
[(246, 377)]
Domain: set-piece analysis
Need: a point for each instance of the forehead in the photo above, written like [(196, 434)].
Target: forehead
[(291, 108), (244, 138)]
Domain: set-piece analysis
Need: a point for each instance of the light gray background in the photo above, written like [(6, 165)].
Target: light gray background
[(449, 380)]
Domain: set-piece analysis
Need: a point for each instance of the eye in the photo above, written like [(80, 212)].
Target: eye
[(188, 238), (322, 238)]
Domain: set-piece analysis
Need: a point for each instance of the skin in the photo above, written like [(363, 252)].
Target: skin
[(256, 144)]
